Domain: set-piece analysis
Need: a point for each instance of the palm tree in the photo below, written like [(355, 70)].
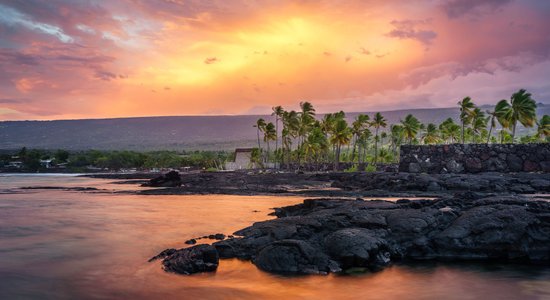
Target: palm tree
[(260, 126), (357, 127), (479, 122), (449, 130), (431, 136), (341, 136), (396, 137), (289, 132), (315, 145), (307, 117), (498, 114), (377, 122), (278, 113), (411, 125), (543, 129), (521, 108), (363, 145), (466, 107), (269, 135)]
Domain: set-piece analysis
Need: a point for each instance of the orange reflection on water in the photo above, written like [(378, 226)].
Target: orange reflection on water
[(59, 244)]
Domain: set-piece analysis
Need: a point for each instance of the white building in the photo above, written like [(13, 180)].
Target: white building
[(243, 160)]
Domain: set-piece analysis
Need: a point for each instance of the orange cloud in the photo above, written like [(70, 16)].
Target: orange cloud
[(109, 59)]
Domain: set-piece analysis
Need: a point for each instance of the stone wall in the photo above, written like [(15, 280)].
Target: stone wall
[(475, 158)]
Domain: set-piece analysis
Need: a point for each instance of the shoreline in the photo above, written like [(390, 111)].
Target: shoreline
[(342, 184)]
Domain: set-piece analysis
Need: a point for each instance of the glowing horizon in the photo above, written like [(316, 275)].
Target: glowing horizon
[(131, 58)]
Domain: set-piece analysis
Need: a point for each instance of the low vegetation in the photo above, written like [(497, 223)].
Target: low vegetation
[(40, 160)]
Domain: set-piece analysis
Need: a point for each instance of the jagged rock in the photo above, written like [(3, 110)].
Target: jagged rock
[(170, 179), (327, 235), (357, 247), (414, 168), (292, 257), (196, 259)]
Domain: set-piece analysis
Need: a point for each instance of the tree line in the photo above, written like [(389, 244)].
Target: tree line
[(305, 138), (81, 161)]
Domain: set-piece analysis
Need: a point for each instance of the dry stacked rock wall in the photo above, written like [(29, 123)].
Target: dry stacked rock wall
[(475, 158)]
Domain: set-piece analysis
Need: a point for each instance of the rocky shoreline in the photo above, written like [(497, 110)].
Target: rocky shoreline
[(322, 236), (480, 217), (359, 184)]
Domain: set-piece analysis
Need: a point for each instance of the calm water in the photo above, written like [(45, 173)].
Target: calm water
[(66, 244)]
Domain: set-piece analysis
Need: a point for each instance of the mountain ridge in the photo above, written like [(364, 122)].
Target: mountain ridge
[(221, 132)]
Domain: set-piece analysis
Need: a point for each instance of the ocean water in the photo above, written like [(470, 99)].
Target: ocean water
[(59, 244)]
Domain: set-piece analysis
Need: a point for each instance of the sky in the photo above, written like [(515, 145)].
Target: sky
[(72, 59)]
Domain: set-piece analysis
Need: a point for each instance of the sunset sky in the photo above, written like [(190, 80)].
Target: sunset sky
[(97, 59)]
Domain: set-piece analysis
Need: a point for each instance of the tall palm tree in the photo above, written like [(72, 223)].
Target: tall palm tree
[(278, 113), (431, 136), (543, 130), (479, 123), (363, 145), (522, 108), (341, 136), (466, 107), (289, 132), (357, 127), (411, 125), (315, 145), (377, 121), (269, 135), (498, 114), (260, 126), (396, 137), (449, 130), (307, 119)]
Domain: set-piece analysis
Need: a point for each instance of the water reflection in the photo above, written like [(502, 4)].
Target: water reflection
[(62, 244)]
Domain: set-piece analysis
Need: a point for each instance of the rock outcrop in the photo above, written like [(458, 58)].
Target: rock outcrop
[(327, 235), (170, 179), (196, 259)]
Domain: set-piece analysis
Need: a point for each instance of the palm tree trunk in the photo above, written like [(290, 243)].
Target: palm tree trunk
[(376, 147), (490, 129), (354, 147), (267, 155), (276, 134), (258, 133), (462, 132), (514, 131), (337, 158)]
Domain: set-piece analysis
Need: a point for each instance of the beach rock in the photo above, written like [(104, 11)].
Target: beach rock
[(196, 259), (357, 247), (292, 257), (191, 241), (170, 179)]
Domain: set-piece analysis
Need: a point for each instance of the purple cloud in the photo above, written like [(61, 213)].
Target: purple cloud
[(460, 8), (407, 29)]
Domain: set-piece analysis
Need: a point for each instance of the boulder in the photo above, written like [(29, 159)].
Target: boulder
[(415, 168), (357, 247), (293, 257), (170, 179), (196, 259)]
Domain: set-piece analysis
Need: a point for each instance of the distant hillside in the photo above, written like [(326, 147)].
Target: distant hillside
[(171, 133)]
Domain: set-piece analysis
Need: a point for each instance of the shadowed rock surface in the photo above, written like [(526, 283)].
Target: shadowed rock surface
[(196, 259), (170, 179), (328, 235), (358, 184)]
